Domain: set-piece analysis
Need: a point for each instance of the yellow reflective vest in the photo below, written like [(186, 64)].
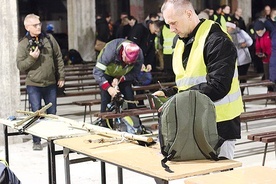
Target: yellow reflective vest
[(195, 73), (168, 37)]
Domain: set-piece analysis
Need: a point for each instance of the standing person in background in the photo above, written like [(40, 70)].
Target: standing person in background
[(167, 42), (241, 41), (103, 32), (237, 18), (267, 11), (143, 35), (224, 16), (270, 25), (123, 29), (119, 22), (204, 59), (118, 64), (39, 55), (216, 14), (263, 48)]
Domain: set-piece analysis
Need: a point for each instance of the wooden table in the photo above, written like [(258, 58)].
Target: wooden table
[(144, 160), (48, 129), (247, 175)]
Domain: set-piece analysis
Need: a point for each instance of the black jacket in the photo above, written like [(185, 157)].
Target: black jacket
[(103, 32), (141, 35)]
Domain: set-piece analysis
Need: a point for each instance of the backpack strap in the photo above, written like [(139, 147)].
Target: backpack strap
[(54, 56), (200, 137)]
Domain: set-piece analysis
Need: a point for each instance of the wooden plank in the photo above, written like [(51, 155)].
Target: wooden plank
[(246, 175), (269, 139), (254, 84), (256, 115), (252, 136), (261, 137), (248, 98)]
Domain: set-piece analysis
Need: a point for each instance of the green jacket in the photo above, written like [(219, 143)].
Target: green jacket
[(41, 71)]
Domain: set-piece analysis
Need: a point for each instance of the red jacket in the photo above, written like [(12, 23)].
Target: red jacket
[(263, 45)]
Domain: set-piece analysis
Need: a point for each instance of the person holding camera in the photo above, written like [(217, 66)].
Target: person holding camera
[(39, 56), (118, 64), (263, 48)]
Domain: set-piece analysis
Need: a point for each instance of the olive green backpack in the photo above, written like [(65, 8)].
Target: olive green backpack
[(187, 128)]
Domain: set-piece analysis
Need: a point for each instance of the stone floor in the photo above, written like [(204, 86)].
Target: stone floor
[(31, 166)]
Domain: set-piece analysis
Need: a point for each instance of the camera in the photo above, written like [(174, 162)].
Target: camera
[(33, 43), (116, 103)]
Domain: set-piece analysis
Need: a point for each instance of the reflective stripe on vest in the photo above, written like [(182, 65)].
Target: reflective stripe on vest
[(168, 37), (196, 71)]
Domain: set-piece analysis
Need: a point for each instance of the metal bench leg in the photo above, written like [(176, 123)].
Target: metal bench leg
[(265, 150), (246, 126), (26, 99), (275, 148), (90, 113), (84, 115)]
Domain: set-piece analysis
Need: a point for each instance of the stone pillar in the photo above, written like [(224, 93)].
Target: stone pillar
[(246, 5), (9, 74), (81, 27), (137, 10)]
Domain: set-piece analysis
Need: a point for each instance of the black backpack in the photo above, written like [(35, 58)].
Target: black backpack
[(75, 57), (6, 175)]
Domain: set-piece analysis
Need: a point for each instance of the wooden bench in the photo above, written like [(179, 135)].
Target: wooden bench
[(264, 83), (250, 76), (129, 112), (264, 96), (74, 78), (257, 115), (91, 102), (264, 137)]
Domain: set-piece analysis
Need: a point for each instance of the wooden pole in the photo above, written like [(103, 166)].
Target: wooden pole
[(93, 128)]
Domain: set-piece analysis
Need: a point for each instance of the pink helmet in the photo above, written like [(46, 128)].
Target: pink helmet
[(131, 51)]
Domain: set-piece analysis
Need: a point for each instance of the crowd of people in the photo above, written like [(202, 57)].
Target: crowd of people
[(255, 42), (151, 45), (170, 41)]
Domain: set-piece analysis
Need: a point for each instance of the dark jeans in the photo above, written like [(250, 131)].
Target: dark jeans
[(48, 94), (125, 88), (242, 71)]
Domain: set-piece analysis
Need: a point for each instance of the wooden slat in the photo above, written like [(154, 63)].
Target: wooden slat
[(254, 97), (256, 115)]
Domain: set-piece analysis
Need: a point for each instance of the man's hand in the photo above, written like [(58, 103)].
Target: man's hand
[(115, 82), (35, 53), (112, 91), (60, 83), (149, 68), (159, 93)]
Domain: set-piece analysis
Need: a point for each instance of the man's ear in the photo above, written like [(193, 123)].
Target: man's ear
[(188, 13), (27, 28)]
